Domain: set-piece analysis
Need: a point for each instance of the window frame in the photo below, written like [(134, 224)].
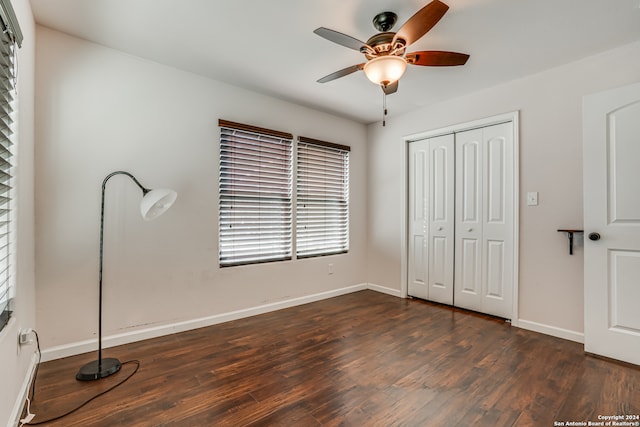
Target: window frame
[(322, 179), (11, 39), (331, 174), (239, 190)]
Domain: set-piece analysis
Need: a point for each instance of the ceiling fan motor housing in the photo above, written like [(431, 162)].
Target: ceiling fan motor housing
[(381, 44)]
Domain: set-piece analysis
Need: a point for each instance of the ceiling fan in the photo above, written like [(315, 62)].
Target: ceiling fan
[(386, 54)]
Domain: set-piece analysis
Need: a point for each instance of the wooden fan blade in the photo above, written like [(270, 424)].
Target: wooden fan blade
[(390, 88), (437, 58), (339, 38), (420, 23), (341, 73)]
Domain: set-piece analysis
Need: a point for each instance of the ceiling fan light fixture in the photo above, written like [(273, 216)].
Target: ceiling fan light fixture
[(385, 70)]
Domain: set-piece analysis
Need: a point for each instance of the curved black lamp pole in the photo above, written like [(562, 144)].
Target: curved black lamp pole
[(104, 367)]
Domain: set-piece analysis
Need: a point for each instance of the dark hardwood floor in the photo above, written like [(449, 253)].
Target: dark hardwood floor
[(363, 359)]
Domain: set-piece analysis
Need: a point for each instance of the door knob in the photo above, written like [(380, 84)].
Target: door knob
[(594, 236)]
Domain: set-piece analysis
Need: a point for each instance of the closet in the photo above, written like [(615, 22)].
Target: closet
[(461, 219)]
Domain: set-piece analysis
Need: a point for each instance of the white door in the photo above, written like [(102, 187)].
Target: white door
[(431, 218), (611, 159), (484, 236), (441, 218), (469, 208), (418, 220)]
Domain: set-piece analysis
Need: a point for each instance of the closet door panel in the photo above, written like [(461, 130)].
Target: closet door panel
[(468, 262), (497, 228), (468, 227), (441, 218), (495, 197), (438, 273), (419, 271), (495, 270), (484, 220), (469, 178), (418, 221)]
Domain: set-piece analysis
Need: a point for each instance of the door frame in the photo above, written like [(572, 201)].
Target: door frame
[(512, 117)]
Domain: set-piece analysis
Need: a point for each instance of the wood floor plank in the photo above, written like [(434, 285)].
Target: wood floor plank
[(363, 359)]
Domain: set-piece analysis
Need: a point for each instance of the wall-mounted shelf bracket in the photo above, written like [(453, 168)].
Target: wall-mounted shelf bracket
[(570, 233)]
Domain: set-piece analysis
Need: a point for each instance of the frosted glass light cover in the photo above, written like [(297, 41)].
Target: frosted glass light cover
[(385, 69), (156, 202)]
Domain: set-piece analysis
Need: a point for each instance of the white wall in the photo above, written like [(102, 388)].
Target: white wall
[(99, 110), (550, 105), (16, 361)]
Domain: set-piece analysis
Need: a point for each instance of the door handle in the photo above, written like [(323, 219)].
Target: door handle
[(594, 236)]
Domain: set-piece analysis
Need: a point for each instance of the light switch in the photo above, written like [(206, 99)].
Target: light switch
[(532, 198)]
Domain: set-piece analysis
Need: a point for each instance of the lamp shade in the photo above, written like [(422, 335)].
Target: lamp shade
[(385, 69), (156, 202)]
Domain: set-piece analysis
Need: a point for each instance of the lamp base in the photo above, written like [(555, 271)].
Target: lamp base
[(98, 369)]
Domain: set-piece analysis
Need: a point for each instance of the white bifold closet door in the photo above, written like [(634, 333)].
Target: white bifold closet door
[(484, 220), (460, 224), (431, 222)]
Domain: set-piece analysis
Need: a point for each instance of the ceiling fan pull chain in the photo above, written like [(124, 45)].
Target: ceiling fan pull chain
[(384, 108)]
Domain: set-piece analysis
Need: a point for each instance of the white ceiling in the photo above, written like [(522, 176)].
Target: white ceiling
[(269, 46)]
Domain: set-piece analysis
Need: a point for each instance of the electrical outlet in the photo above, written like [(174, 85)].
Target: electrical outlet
[(25, 336), (330, 268)]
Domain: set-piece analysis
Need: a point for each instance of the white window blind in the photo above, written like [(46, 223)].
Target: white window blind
[(10, 39), (322, 198), (255, 217)]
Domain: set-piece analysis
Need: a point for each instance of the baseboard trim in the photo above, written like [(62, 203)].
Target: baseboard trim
[(85, 346), (551, 330), (385, 290), (14, 419)]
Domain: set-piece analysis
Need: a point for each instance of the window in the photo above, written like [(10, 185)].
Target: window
[(322, 194), (255, 212), (10, 40)]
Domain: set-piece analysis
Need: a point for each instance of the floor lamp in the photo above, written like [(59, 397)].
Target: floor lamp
[(154, 203)]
